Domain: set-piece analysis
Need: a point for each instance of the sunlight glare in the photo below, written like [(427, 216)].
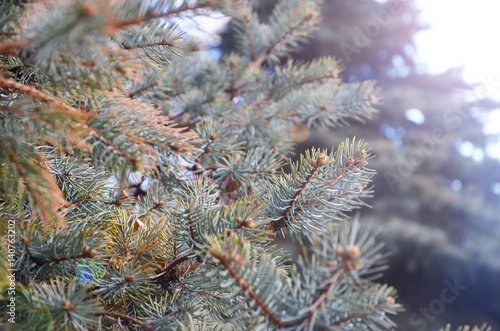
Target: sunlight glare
[(463, 33)]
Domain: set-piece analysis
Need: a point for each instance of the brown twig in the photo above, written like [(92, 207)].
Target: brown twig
[(154, 257), (148, 246), (225, 262), (33, 92), (86, 254), (175, 263), (135, 320), (142, 18), (352, 161), (160, 43), (322, 296), (262, 57), (191, 227), (25, 242), (11, 47), (156, 206), (82, 199), (141, 90), (351, 316), (279, 223), (249, 38), (7, 34), (45, 216)]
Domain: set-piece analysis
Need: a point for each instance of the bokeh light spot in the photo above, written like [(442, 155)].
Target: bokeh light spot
[(299, 132), (415, 115), (456, 185)]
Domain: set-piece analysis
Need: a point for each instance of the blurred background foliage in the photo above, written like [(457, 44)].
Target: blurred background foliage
[(437, 191)]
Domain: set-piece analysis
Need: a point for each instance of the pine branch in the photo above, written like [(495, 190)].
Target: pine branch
[(198, 225), (120, 24), (263, 56), (19, 111), (86, 254), (246, 20), (307, 186), (157, 205), (133, 94), (11, 47), (41, 181), (190, 221), (7, 34), (224, 261), (323, 295), (352, 316), (159, 43), (133, 160), (28, 90), (275, 226), (127, 317)]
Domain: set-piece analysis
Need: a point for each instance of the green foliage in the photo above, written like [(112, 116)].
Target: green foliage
[(95, 95), (319, 188)]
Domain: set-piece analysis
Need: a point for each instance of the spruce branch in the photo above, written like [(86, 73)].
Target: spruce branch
[(250, 42), (216, 142), (86, 254), (328, 287), (94, 91), (159, 43), (225, 262), (25, 242), (291, 22), (240, 268), (81, 200), (28, 90), (131, 240), (269, 51), (151, 15), (190, 221), (7, 34), (352, 316), (156, 206), (45, 196), (72, 306), (174, 264), (295, 75), (133, 94), (145, 138), (12, 47), (320, 187), (315, 166), (115, 314)]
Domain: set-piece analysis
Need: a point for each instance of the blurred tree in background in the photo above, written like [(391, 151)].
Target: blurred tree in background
[(435, 188)]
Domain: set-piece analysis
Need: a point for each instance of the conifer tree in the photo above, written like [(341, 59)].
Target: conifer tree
[(415, 191), (142, 182)]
